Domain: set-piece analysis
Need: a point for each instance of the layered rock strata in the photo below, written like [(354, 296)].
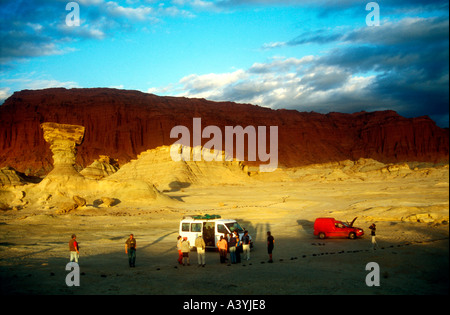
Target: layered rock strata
[(122, 124)]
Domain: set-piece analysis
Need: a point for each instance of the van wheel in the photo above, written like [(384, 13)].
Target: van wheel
[(352, 236), (321, 235)]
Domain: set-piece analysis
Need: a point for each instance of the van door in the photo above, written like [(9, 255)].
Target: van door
[(340, 229), (209, 233)]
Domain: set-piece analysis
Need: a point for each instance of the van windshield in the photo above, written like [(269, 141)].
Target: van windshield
[(234, 226), (342, 224)]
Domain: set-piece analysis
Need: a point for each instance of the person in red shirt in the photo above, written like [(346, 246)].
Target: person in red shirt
[(73, 247), (180, 253)]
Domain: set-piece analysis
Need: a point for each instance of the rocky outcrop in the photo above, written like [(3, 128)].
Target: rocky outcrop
[(156, 167), (101, 168), (10, 177), (122, 124)]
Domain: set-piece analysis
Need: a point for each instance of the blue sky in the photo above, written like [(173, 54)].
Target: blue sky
[(306, 55)]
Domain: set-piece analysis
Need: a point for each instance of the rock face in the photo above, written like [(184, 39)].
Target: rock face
[(122, 124), (9, 177)]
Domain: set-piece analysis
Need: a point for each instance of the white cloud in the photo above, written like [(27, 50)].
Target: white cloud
[(199, 83), (32, 81), (44, 84), (303, 84), (141, 13), (273, 45), (197, 4), (4, 94)]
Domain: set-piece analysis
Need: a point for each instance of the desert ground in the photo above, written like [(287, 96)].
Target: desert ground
[(410, 210)]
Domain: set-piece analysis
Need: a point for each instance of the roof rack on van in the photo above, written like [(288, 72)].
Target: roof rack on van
[(203, 217)]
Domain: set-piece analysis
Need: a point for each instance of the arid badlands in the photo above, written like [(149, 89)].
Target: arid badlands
[(148, 196)]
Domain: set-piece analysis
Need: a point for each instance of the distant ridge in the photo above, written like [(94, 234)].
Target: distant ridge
[(122, 124)]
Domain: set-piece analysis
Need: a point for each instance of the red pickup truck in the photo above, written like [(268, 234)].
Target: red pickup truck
[(329, 227)]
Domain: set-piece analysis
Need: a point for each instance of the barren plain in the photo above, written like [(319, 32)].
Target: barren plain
[(408, 202)]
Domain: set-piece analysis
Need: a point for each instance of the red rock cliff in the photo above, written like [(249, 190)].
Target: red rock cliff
[(122, 124)]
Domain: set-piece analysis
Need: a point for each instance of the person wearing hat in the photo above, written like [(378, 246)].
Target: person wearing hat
[(200, 245), (185, 249)]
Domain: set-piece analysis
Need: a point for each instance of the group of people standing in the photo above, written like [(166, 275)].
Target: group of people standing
[(184, 247), (228, 243)]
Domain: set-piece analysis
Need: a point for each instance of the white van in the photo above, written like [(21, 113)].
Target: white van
[(210, 226)]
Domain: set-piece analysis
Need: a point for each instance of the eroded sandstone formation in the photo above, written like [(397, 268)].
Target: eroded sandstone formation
[(64, 185), (63, 140)]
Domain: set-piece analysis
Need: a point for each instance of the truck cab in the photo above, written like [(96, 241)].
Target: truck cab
[(210, 226)]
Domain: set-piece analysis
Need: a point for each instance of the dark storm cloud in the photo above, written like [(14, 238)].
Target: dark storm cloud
[(409, 59), (402, 66)]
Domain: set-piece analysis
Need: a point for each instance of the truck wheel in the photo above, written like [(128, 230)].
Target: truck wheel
[(321, 235), (352, 236)]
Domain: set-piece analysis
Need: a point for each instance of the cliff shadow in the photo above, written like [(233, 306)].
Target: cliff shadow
[(176, 186)]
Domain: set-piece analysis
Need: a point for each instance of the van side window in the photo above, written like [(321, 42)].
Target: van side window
[(196, 227), (221, 228), (185, 227)]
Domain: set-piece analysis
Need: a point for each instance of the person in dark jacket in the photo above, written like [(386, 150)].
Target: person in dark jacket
[(130, 250), (232, 248), (373, 230), (270, 245)]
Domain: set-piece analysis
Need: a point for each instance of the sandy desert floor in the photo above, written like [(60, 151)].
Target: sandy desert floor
[(413, 256)]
